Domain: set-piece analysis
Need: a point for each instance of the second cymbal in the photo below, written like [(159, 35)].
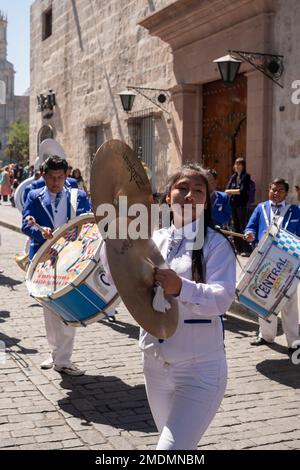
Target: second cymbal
[(116, 171), (131, 263)]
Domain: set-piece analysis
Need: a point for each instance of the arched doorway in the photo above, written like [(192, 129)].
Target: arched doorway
[(45, 132), (224, 126)]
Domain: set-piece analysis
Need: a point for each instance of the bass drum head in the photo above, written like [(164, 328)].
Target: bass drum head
[(66, 259)]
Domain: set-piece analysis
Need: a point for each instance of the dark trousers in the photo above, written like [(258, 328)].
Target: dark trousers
[(240, 219)]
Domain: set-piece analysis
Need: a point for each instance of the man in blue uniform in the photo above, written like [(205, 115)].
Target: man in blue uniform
[(288, 216), (51, 206)]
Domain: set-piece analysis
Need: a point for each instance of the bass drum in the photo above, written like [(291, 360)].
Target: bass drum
[(67, 277)]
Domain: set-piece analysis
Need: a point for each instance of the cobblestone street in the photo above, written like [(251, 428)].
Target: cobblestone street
[(107, 408)]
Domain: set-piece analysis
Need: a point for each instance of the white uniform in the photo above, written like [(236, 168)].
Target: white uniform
[(60, 337), (186, 374)]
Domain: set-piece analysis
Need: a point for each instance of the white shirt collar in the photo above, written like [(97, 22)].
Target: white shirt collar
[(281, 204), (188, 231), (53, 195)]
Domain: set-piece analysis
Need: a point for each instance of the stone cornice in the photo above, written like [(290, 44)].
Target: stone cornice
[(186, 21), (183, 88)]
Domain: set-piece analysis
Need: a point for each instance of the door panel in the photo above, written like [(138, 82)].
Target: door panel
[(224, 126)]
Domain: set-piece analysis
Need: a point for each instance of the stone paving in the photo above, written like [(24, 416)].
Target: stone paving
[(107, 408)]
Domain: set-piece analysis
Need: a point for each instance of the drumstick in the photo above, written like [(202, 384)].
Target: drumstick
[(229, 232), (234, 234), (31, 219)]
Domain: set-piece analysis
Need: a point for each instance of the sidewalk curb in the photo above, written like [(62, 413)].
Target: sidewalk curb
[(10, 226)]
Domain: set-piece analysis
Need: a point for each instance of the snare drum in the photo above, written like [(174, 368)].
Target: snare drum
[(67, 277), (271, 274)]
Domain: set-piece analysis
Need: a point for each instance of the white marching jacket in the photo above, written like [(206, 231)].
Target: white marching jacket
[(199, 334)]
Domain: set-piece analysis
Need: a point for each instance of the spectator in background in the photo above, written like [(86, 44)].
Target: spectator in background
[(26, 171), (76, 174), (220, 202), (18, 172), (238, 189), (5, 186)]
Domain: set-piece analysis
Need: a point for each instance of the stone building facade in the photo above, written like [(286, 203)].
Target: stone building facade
[(15, 107), (87, 51)]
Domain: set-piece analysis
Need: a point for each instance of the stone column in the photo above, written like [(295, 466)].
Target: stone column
[(259, 131), (187, 120)]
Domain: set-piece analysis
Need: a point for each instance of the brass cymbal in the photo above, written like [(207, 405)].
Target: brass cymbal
[(116, 171), (131, 263), (22, 260)]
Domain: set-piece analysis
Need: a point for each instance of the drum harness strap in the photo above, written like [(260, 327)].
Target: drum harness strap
[(74, 193), (73, 198), (277, 220)]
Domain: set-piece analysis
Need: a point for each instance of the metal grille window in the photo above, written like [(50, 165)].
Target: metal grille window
[(47, 23), (95, 136), (141, 134)]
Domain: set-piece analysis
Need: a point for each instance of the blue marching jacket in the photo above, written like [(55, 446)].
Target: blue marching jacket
[(221, 208), (34, 207), (257, 223)]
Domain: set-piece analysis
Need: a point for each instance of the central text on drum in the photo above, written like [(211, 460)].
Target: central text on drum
[(138, 221), (265, 287)]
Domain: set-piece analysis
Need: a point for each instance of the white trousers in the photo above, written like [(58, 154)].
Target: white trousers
[(60, 338), (290, 323), (184, 399)]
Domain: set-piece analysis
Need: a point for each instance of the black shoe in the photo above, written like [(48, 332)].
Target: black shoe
[(111, 318), (258, 341)]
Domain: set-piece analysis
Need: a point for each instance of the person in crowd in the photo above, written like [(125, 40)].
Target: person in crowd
[(76, 174), (26, 171), (238, 189), (186, 374), (18, 172), (6, 183), (51, 206), (220, 202), (276, 210)]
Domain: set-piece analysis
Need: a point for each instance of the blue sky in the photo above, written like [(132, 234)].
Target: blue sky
[(18, 40)]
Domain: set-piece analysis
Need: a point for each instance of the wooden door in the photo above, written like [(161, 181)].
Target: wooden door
[(224, 126)]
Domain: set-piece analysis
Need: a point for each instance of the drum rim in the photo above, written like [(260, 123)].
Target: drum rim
[(112, 303), (265, 245), (80, 278)]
